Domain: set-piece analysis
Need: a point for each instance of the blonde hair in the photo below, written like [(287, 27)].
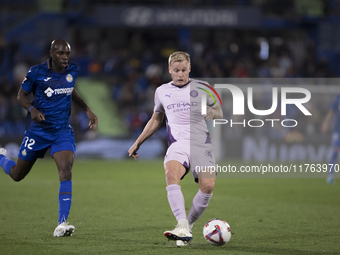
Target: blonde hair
[(179, 56)]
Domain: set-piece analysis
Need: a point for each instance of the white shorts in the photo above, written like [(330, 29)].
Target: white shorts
[(197, 158)]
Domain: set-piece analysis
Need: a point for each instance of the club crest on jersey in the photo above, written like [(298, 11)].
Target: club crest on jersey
[(193, 93), (69, 78)]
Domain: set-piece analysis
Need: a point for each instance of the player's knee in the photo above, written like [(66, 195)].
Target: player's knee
[(65, 170), (172, 176), (169, 173), (65, 175), (65, 166), (207, 187)]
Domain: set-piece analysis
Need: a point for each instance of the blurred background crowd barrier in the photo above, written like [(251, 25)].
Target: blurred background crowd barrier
[(122, 48)]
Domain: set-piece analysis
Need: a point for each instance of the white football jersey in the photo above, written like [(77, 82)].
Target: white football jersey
[(183, 110)]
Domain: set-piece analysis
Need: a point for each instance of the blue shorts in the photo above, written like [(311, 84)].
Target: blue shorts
[(335, 139), (35, 144)]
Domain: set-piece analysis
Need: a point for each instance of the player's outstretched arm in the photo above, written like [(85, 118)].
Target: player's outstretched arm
[(150, 128), (326, 121), (79, 101), (213, 113), (36, 115)]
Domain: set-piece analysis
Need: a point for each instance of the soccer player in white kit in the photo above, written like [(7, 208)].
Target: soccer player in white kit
[(188, 139)]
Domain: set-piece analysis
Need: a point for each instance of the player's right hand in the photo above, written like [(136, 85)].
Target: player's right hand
[(37, 116), (93, 119), (133, 151), (209, 115)]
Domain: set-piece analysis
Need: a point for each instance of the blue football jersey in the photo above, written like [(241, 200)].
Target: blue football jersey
[(52, 95), (335, 107)]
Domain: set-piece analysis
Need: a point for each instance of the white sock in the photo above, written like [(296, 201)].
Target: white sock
[(199, 204), (176, 201)]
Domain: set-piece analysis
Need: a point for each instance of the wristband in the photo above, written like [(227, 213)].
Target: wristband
[(29, 109)]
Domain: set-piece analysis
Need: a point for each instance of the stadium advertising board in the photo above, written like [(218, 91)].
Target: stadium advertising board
[(142, 16)]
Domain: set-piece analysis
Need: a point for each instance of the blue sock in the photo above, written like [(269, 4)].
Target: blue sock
[(65, 197), (6, 163)]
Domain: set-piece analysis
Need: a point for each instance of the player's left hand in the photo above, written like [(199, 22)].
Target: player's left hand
[(209, 115), (133, 151), (93, 119)]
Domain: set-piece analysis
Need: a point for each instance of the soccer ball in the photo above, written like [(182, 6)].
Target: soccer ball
[(217, 232)]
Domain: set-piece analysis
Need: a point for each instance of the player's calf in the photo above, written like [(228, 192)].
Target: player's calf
[(21, 169)]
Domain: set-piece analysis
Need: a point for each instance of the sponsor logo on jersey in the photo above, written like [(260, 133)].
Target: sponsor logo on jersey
[(181, 105), (49, 92), (24, 152), (48, 78), (69, 78)]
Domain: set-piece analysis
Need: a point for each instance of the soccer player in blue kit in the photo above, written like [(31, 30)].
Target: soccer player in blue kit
[(52, 84), (333, 111)]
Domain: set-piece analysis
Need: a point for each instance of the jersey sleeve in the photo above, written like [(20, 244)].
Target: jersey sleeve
[(28, 82), (158, 105), (210, 102), (75, 70)]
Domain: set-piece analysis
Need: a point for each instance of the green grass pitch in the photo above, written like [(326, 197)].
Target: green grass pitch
[(120, 207)]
